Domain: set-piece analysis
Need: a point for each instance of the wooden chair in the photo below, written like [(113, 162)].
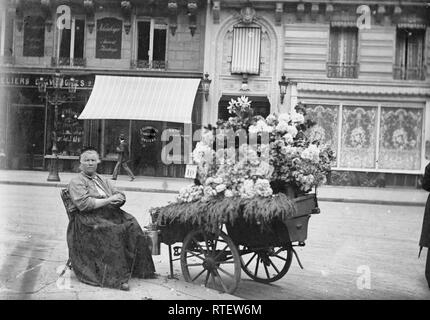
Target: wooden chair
[(68, 204), (70, 210)]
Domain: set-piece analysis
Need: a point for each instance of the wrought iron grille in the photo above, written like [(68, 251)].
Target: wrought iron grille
[(149, 64), (65, 61), (401, 72), (342, 70)]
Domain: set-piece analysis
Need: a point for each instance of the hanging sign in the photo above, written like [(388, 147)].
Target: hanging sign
[(148, 134), (109, 38)]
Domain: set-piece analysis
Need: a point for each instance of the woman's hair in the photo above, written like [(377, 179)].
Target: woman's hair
[(90, 151)]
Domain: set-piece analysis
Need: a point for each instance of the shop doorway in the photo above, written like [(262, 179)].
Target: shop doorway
[(26, 131)]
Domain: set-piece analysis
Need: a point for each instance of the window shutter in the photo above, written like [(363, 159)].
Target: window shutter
[(246, 50)]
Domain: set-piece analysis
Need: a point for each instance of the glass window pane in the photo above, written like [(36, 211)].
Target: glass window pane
[(358, 141), (326, 127), (159, 50), (79, 38), (400, 138), (113, 128), (64, 36), (70, 130), (143, 31)]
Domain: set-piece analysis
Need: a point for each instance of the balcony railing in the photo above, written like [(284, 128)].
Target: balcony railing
[(401, 72), (68, 62), (7, 60), (342, 70), (148, 64)]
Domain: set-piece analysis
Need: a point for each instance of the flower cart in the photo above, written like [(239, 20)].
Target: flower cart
[(251, 203)]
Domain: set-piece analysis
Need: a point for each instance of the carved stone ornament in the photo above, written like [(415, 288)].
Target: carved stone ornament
[(172, 6), (247, 15), (216, 10), (278, 13), (192, 6)]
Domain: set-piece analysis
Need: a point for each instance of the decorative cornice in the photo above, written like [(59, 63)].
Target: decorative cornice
[(362, 89)]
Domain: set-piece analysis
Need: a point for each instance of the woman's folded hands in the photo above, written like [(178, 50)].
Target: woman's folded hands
[(116, 200)]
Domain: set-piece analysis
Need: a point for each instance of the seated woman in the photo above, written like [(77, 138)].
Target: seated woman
[(106, 244)]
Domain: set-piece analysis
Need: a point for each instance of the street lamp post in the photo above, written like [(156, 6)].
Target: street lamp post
[(55, 99)]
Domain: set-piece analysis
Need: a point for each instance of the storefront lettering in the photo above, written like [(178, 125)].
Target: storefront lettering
[(30, 80)]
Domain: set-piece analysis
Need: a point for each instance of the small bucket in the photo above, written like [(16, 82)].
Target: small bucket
[(154, 243)]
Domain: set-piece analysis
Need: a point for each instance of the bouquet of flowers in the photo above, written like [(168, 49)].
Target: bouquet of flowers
[(242, 160), (273, 149)]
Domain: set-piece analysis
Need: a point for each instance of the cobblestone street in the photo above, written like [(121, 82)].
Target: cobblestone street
[(353, 251)]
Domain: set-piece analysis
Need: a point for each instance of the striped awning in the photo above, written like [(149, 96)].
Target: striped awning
[(246, 50), (138, 98)]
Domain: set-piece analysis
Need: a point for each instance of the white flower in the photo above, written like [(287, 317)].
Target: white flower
[(312, 153), (288, 138), (247, 189), (285, 117), (282, 126), (207, 137), (220, 188), (202, 153), (292, 130), (228, 193), (297, 117), (262, 188), (217, 180), (270, 119)]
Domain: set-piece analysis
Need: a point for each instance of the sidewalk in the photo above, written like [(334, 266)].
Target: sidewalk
[(388, 196)]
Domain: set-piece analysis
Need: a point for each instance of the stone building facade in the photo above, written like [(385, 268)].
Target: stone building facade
[(360, 67), (84, 39)]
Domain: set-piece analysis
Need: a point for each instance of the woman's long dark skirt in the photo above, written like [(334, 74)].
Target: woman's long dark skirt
[(106, 246)]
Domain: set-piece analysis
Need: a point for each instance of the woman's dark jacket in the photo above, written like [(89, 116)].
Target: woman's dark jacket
[(425, 233)]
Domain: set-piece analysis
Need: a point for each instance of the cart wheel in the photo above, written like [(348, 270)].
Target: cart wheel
[(266, 264), (211, 260)]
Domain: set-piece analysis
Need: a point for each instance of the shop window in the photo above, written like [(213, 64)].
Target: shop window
[(358, 138), (343, 53), (400, 138), (70, 44), (409, 63), (112, 130), (70, 130), (246, 50), (25, 136), (34, 36), (151, 45), (326, 125)]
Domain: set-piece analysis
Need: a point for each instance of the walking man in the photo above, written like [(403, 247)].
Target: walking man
[(123, 158), (425, 233)]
